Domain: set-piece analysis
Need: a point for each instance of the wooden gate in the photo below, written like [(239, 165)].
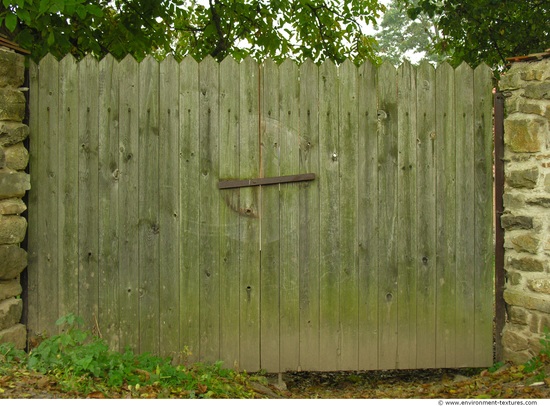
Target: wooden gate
[(383, 261)]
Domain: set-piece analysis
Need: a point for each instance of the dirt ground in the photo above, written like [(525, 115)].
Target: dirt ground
[(509, 382)]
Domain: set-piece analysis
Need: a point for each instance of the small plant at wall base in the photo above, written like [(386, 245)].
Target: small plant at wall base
[(83, 364), (538, 364)]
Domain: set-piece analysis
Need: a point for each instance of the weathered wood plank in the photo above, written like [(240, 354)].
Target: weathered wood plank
[(43, 257), (209, 249), (189, 208), (289, 141), (169, 210), (445, 147), (367, 216), (128, 204), (348, 161), (88, 233), (249, 165), (68, 186), (108, 156), (426, 242), (465, 240), (271, 128), (310, 357), (229, 212), (483, 213), (148, 167), (387, 216), (406, 217), (329, 227), (33, 211)]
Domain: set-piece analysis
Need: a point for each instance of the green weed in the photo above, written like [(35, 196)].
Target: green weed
[(83, 363)]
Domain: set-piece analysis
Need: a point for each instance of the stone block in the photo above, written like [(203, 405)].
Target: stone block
[(547, 183), (10, 288), (12, 229), (10, 312), (531, 74), (529, 106), (511, 80), (514, 278), (514, 340), (12, 105), (524, 134), (539, 201), (526, 264), (16, 156), (13, 260), (518, 315), (12, 68), (513, 201), (523, 178), (528, 300), (538, 91), (17, 335), (12, 132), (539, 322), (539, 285), (510, 222), (516, 357), (525, 243), (12, 206), (13, 184)]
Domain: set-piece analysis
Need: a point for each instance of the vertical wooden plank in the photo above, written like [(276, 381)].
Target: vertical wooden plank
[(33, 210), (43, 199), (108, 201), (68, 186), (209, 211), (426, 226), (406, 217), (329, 186), (88, 233), (289, 141), (368, 216), (483, 204), (387, 213), (229, 212), (128, 204), (348, 161), (465, 240), (310, 357), (169, 210), (249, 164), (148, 167), (189, 208), (271, 128), (445, 217)]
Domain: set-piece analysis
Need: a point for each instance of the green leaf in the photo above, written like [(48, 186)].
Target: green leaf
[(81, 11), (94, 10), (24, 15), (51, 39), (11, 22)]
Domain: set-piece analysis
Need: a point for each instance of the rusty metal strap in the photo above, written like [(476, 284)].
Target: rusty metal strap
[(238, 183)]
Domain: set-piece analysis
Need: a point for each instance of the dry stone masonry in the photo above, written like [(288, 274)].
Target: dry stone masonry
[(526, 218), (14, 183)]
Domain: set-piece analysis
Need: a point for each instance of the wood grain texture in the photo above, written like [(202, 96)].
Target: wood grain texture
[(380, 260)]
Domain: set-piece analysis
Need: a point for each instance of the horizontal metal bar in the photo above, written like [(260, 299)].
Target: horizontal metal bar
[(237, 183)]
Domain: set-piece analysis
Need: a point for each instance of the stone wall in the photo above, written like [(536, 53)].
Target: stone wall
[(14, 182), (526, 217)]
